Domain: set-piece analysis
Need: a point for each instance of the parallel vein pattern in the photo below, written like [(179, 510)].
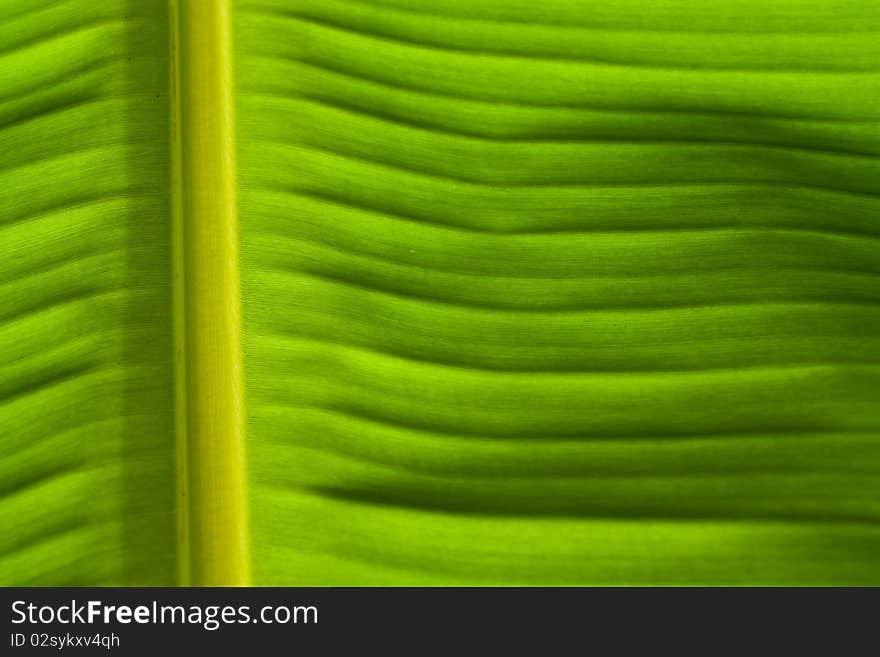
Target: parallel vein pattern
[(86, 451), (564, 292)]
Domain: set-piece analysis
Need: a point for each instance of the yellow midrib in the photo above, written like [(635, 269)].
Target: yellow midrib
[(213, 541)]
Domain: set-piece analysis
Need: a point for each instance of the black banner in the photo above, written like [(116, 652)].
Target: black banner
[(134, 621)]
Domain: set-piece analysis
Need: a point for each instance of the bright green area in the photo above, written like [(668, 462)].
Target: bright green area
[(86, 440), (559, 292), (562, 292)]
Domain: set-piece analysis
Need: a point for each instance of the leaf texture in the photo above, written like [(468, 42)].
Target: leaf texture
[(86, 435), (562, 292), (547, 293)]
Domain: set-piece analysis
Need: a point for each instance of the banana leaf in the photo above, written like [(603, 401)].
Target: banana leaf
[(532, 293)]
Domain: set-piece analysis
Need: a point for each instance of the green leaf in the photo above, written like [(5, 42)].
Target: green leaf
[(86, 427), (564, 292)]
